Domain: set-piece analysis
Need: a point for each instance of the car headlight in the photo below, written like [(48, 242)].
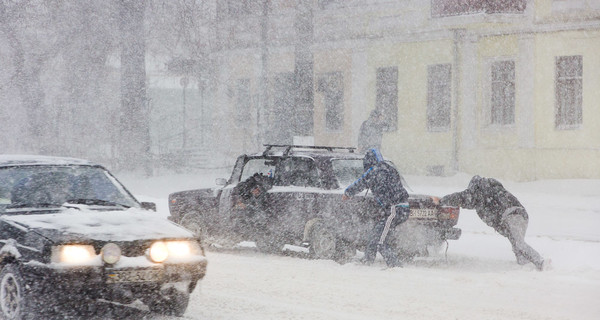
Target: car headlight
[(158, 252), (73, 254), (162, 250)]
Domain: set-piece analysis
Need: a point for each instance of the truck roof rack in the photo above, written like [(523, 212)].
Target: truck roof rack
[(289, 147)]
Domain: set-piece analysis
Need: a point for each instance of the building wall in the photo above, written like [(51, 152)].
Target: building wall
[(329, 62), (354, 39), (567, 153), (412, 147)]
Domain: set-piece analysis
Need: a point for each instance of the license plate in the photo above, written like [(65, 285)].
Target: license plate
[(423, 213), (134, 276)]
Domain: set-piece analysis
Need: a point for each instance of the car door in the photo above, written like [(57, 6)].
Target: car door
[(245, 168), (297, 182)]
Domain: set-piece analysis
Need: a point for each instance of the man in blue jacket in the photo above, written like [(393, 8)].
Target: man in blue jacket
[(386, 185)]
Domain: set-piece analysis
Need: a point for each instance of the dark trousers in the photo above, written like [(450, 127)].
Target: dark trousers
[(379, 239)]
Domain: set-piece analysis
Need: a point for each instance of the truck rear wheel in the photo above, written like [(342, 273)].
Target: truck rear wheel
[(322, 242)]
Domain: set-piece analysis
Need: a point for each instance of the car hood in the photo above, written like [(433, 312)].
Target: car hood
[(126, 225)]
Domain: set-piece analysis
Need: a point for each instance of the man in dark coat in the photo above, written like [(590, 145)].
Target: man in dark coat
[(371, 132), (386, 184), (500, 210)]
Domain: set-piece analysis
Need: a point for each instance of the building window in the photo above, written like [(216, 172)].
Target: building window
[(243, 103), (439, 96), (445, 8), (503, 92), (332, 87), (386, 98), (569, 91)]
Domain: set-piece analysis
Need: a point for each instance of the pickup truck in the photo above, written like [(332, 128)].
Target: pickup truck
[(290, 194)]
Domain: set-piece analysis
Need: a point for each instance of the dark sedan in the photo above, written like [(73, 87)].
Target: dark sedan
[(71, 233)]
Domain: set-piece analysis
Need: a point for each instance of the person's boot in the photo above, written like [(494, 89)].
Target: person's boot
[(391, 258), (369, 257), (521, 260), (543, 265)]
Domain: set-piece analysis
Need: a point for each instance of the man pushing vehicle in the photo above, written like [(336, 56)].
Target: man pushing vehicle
[(500, 210), (386, 184)]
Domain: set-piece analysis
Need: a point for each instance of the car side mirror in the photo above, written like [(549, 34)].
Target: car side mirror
[(149, 206), (220, 181)]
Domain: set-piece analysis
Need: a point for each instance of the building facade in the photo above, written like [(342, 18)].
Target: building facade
[(506, 90)]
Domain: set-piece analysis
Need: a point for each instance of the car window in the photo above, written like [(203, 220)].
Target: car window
[(264, 166), (55, 185), (347, 171), (297, 171)]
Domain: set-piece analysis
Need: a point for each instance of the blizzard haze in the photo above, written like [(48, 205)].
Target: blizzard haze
[(167, 93)]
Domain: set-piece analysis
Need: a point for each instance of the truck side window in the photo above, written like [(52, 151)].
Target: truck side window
[(301, 172)]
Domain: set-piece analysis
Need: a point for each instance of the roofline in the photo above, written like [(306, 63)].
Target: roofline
[(13, 160)]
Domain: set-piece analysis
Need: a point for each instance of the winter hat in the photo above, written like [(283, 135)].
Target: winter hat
[(372, 157)]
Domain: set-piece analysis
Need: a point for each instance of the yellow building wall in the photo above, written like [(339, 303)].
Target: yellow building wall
[(239, 66), (327, 62), (496, 151), (556, 153), (543, 9), (567, 153), (412, 147)]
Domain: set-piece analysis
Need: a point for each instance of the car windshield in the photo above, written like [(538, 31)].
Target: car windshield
[(261, 165), (293, 171), (53, 186), (347, 171)]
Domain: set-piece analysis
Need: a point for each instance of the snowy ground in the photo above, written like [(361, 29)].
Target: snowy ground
[(478, 279)]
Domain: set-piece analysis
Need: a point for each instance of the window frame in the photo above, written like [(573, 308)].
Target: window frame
[(502, 115), (445, 101), (569, 117), (327, 83), (452, 8)]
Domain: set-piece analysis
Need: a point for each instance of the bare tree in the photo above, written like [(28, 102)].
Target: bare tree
[(16, 18), (134, 138), (58, 66)]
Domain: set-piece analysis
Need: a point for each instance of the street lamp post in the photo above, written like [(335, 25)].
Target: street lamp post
[(184, 82)]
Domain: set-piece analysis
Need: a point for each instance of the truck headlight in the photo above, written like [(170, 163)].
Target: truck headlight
[(73, 254), (162, 250)]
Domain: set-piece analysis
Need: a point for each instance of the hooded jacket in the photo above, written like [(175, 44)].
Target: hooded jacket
[(489, 199), (383, 180)]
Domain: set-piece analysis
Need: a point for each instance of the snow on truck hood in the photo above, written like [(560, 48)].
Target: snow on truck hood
[(127, 225)]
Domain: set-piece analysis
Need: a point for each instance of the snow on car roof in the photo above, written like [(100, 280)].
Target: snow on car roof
[(9, 160), (310, 152)]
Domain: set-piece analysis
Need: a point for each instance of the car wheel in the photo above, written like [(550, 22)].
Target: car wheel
[(322, 242), (13, 299), (173, 303)]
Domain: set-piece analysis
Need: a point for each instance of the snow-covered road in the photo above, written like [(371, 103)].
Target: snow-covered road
[(479, 278)]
